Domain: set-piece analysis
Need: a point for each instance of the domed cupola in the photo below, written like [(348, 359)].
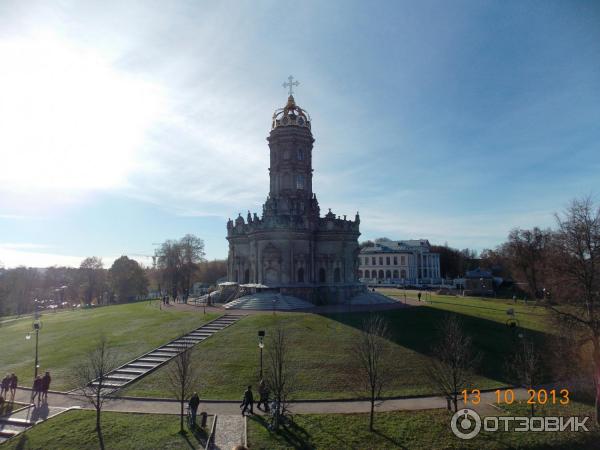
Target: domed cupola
[(291, 115)]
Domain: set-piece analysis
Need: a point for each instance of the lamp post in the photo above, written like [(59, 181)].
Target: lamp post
[(261, 345), (36, 326)]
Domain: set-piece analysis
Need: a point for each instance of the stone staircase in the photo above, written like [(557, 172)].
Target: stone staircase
[(268, 301), (147, 363), (21, 419)]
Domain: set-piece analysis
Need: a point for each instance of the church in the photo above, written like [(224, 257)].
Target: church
[(290, 247)]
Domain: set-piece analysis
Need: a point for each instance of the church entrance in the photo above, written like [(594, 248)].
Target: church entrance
[(271, 276)]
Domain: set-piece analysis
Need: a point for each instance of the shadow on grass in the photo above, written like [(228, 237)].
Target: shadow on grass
[(290, 432), (416, 328), (195, 437)]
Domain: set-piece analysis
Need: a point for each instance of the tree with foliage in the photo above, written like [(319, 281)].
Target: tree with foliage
[(178, 261), (526, 252), (453, 262), (211, 271), (93, 277), (192, 253), (372, 352), (127, 279)]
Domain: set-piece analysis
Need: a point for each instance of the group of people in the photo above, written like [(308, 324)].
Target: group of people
[(41, 385), (9, 384), (248, 399)]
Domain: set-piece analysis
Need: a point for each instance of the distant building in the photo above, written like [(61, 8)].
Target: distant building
[(399, 262), (479, 282)]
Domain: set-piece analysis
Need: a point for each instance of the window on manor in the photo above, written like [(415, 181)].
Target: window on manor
[(300, 154), (395, 260), (403, 260), (336, 275), (300, 182), (373, 261), (381, 260), (387, 260), (321, 275)]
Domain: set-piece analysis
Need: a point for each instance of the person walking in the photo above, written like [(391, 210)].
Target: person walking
[(5, 386), (36, 392), (419, 296), (248, 401), (46, 379), (263, 391), (193, 405), (13, 386)]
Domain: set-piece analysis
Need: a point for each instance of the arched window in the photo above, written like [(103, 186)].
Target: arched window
[(395, 274), (388, 274), (300, 275), (336, 275), (246, 276), (360, 274), (403, 274), (367, 274), (380, 275)]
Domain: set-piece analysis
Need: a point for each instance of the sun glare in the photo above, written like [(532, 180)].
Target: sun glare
[(68, 119)]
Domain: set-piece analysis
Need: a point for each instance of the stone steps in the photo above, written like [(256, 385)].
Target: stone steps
[(264, 301), (142, 366), (23, 419)]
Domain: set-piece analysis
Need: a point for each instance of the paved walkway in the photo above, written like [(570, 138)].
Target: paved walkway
[(165, 406), (230, 430)]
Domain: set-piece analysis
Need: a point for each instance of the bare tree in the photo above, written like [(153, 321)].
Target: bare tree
[(182, 378), (280, 374), (575, 293), (525, 368), (91, 376), (451, 367), (372, 352)]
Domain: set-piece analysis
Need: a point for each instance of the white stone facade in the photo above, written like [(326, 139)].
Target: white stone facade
[(399, 262)]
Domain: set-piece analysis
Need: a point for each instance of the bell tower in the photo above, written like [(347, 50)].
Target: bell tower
[(290, 171)]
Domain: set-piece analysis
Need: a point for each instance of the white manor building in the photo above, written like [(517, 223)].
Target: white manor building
[(399, 262)]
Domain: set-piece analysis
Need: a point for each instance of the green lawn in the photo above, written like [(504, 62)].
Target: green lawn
[(74, 430), (66, 337), (429, 429), (321, 346), (529, 316)]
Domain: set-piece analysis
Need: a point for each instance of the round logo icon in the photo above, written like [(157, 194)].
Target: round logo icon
[(465, 424)]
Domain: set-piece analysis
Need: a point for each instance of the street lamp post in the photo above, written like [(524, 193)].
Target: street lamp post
[(261, 345), (36, 326)]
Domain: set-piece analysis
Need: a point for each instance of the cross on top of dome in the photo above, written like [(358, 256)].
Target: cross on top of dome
[(290, 84), (291, 114)]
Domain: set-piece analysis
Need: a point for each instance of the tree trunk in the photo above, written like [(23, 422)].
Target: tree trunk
[(99, 429), (455, 401), (181, 417), (372, 413), (597, 377)]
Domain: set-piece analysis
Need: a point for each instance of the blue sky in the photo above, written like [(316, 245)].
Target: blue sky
[(123, 124)]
